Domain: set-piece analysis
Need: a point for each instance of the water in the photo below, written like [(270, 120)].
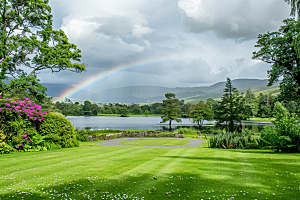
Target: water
[(142, 123)]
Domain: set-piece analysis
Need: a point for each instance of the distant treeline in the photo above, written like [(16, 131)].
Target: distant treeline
[(255, 106)]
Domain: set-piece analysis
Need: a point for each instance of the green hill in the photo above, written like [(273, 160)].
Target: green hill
[(151, 94)]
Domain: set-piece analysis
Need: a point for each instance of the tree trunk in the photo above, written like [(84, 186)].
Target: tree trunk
[(170, 125)]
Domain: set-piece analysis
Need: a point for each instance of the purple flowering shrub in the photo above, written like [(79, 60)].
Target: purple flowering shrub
[(26, 126), (19, 121)]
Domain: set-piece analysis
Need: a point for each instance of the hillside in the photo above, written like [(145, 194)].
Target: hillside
[(150, 94)]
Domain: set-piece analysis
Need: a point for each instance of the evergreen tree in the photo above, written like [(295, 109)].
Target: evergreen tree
[(229, 111), (170, 109)]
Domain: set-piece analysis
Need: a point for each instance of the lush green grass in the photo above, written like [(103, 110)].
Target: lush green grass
[(261, 119), (132, 115), (155, 142), (149, 173), (90, 143)]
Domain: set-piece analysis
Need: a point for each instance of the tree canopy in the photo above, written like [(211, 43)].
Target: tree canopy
[(200, 112), (281, 49), (295, 7), (170, 109), (29, 44)]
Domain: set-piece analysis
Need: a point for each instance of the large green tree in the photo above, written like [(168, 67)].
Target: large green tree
[(87, 108), (28, 44), (230, 111), (295, 7), (170, 109), (281, 49), (200, 112)]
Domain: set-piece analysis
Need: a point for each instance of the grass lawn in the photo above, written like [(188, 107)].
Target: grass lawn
[(155, 142), (149, 173), (261, 119), (131, 115)]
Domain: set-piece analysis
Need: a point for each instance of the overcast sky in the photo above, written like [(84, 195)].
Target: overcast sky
[(210, 39)]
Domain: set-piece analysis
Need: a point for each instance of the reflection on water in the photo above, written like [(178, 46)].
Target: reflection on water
[(143, 123)]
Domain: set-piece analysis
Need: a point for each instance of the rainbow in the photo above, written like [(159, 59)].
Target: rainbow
[(117, 69)]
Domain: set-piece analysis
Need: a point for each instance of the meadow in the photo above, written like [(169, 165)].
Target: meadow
[(133, 172)]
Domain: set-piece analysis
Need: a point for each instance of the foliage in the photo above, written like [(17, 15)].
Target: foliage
[(4, 148), (19, 123), (288, 131), (82, 135), (170, 109), (285, 136), (95, 109), (87, 108), (200, 112), (28, 86), (59, 130), (281, 49), (28, 40), (295, 7), (234, 140), (124, 112), (280, 111), (230, 110)]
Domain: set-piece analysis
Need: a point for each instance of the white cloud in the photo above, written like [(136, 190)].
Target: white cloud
[(139, 30), (237, 19)]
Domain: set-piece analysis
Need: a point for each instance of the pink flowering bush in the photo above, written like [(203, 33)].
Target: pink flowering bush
[(20, 118), (26, 126)]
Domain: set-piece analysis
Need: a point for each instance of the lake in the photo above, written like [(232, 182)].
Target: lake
[(143, 123)]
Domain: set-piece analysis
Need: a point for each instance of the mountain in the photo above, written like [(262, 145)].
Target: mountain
[(150, 94)]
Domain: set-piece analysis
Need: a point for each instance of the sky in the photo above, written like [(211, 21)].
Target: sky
[(201, 42)]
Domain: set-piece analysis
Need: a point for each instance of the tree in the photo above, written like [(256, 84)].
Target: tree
[(123, 111), (170, 109), (295, 7), (200, 112), (136, 111), (291, 106), (28, 41), (230, 109), (87, 108), (281, 49), (28, 86), (95, 109), (280, 111), (249, 96)]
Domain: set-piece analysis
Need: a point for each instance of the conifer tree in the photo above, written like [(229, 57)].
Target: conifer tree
[(229, 112)]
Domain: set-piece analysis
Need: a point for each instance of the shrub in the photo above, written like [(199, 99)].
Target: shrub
[(82, 135), (288, 131), (19, 119), (285, 136), (233, 140), (58, 130)]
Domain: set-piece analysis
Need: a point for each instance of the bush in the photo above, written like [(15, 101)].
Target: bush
[(285, 136), (19, 119), (82, 135), (234, 140), (58, 131)]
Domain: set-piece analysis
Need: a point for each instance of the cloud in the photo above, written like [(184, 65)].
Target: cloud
[(236, 19), (257, 70), (199, 39)]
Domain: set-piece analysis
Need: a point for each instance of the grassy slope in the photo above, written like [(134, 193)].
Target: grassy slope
[(217, 96), (152, 173)]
